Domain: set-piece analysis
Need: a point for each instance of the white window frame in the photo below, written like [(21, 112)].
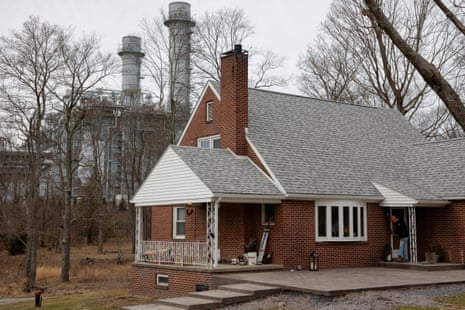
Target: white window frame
[(361, 234), (158, 283), (176, 221), (264, 222), (209, 139), (209, 111)]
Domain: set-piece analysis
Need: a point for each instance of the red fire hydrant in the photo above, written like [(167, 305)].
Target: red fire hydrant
[(38, 297)]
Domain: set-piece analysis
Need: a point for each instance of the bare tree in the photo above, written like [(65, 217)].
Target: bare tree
[(83, 68), (429, 71), (353, 61), (27, 64)]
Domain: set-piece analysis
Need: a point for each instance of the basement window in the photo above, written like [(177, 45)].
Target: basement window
[(162, 280)]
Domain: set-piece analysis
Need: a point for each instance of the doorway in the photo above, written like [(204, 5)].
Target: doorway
[(400, 213)]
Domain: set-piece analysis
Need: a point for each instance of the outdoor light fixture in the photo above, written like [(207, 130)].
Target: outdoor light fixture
[(313, 262)]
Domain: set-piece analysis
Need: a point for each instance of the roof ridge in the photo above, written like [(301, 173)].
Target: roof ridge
[(314, 98), (439, 141)]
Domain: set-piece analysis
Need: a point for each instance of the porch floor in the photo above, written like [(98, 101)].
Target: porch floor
[(221, 268)]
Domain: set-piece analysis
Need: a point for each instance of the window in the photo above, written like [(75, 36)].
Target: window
[(340, 221), (209, 111), (162, 280), (179, 223), (268, 214), (212, 142)]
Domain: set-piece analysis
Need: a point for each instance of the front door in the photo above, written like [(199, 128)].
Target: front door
[(400, 213)]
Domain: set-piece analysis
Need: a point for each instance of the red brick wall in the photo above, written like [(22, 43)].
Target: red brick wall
[(162, 223), (180, 282), (444, 227), (292, 238), (199, 127)]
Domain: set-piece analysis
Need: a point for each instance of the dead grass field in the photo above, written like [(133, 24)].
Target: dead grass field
[(99, 282)]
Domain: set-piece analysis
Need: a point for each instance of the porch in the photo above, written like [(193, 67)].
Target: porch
[(190, 255)]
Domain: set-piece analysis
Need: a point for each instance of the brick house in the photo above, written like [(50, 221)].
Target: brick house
[(320, 176)]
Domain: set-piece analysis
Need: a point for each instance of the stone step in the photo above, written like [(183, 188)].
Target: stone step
[(150, 307), (257, 290), (190, 303), (224, 296)]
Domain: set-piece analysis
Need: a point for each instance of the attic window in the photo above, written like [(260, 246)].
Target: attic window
[(209, 111), (211, 142)]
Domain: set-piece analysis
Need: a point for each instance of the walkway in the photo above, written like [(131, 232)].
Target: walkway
[(331, 282), (327, 282)]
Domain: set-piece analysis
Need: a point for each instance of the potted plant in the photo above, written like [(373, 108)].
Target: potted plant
[(250, 249), (433, 254)]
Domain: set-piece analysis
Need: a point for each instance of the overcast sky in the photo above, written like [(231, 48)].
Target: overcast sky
[(284, 26)]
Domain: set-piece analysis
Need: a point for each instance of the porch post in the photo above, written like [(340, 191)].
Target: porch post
[(139, 234), (412, 221), (215, 240), (212, 233)]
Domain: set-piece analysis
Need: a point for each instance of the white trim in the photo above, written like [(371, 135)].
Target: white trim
[(366, 199), (159, 275), (270, 174), (196, 107), (209, 111), (210, 140), (176, 221), (358, 206)]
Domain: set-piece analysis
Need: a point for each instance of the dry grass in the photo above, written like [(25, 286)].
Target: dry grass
[(90, 273)]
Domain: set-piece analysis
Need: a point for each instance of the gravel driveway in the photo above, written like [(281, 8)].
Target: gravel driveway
[(374, 299)]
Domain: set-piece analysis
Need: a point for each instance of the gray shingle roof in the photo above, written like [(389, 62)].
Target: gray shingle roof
[(224, 172), (322, 147), (438, 167)]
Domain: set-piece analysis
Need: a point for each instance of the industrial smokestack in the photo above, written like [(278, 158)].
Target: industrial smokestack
[(131, 56), (179, 23)]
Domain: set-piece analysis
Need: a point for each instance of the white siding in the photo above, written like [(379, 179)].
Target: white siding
[(393, 198), (171, 182)]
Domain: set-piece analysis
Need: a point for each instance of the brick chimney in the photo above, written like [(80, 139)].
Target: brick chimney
[(234, 99)]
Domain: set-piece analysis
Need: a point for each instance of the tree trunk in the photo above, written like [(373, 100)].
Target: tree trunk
[(428, 71)]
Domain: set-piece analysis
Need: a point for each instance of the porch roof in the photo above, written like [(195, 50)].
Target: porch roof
[(194, 175)]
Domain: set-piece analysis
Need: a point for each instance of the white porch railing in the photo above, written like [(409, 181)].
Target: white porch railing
[(175, 252)]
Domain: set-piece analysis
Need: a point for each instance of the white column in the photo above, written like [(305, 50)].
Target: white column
[(215, 229), (139, 234), (412, 221)]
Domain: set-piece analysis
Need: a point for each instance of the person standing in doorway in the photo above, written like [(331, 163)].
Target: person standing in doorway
[(402, 232)]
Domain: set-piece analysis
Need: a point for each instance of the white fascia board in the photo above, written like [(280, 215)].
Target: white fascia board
[(293, 196), (273, 178), (244, 198), (393, 198), (196, 107)]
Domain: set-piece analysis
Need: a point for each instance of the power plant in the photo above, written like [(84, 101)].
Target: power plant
[(180, 26)]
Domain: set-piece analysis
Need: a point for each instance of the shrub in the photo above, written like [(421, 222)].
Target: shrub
[(16, 245)]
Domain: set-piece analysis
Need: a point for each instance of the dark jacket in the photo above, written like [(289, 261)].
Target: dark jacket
[(401, 229)]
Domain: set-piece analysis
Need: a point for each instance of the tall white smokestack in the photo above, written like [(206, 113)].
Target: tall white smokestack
[(131, 56), (179, 23)]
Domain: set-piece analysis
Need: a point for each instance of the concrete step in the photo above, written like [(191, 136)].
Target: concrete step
[(190, 303), (224, 296), (257, 290), (150, 307)]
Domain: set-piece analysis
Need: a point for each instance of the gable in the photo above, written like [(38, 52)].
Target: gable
[(171, 182), (198, 126)]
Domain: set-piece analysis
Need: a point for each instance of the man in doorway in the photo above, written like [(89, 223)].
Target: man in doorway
[(402, 232)]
